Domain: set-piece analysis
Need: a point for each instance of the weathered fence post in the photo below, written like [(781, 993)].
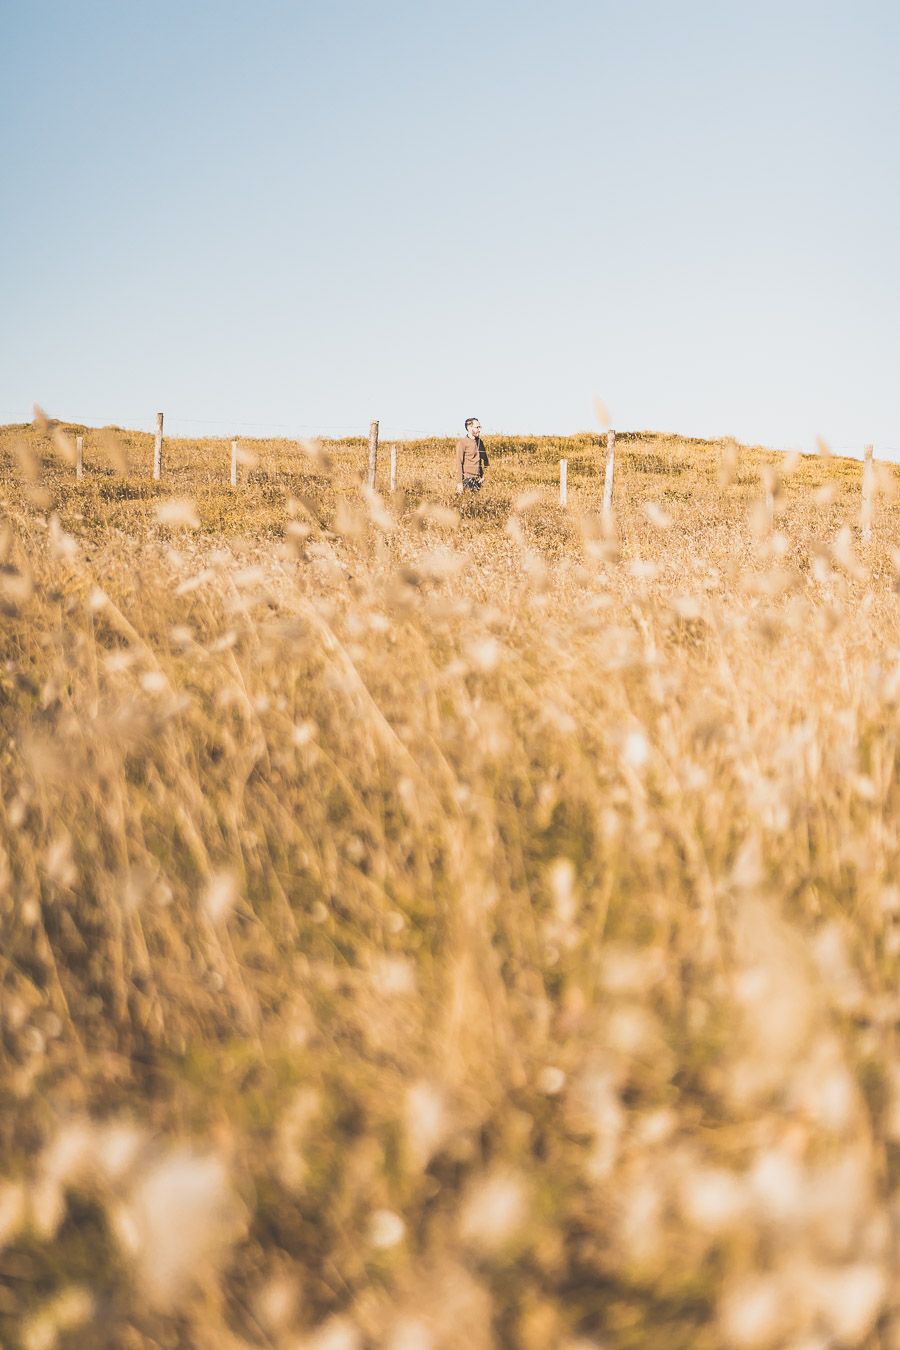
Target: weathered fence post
[(393, 468), (79, 456), (563, 482), (865, 515), (609, 476), (157, 448), (373, 453), (234, 463)]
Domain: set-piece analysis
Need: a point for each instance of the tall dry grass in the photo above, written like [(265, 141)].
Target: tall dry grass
[(429, 923)]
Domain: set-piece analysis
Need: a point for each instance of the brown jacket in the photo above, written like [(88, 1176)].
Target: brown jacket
[(470, 454)]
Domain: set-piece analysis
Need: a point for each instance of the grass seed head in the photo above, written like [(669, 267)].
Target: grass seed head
[(178, 1222), (494, 1212), (601, 413), (178, 513), (220, 897)]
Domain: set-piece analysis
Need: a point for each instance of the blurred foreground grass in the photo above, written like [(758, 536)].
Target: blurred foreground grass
[(429, 923)]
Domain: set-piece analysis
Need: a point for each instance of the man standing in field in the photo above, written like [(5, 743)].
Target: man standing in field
[(471, 458)]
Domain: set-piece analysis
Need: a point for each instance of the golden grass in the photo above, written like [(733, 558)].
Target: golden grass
[(430, 923)]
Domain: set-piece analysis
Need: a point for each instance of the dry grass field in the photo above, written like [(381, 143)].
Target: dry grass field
[(429, 922)]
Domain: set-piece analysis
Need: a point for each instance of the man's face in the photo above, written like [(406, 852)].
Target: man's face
[(475, 429)]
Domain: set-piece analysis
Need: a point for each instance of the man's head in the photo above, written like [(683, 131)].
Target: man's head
[(473, 426)]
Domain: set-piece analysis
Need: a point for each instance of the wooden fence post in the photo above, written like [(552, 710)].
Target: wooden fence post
[(234, 463), (865, 515), (563, 482), (373, 453), (393, 468), (157, 448), (609, 476), (79, 457)]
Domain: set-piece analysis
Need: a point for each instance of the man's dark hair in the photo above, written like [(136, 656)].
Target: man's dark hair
[(469, 421)]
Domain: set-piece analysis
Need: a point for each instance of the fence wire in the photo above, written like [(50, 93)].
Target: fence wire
[(290, 430)]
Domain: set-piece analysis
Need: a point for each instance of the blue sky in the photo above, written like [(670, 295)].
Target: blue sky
[(291, 218)]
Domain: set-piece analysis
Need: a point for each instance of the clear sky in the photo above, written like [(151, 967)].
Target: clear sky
[(294, 217)]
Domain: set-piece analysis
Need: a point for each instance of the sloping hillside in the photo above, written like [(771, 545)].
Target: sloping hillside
[(436, 921)]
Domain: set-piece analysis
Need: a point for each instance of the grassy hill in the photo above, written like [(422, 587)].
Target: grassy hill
[(433, 922)]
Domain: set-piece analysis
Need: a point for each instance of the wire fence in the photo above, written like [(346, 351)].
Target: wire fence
[(253, 430), (176, 425), (72, 447)]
